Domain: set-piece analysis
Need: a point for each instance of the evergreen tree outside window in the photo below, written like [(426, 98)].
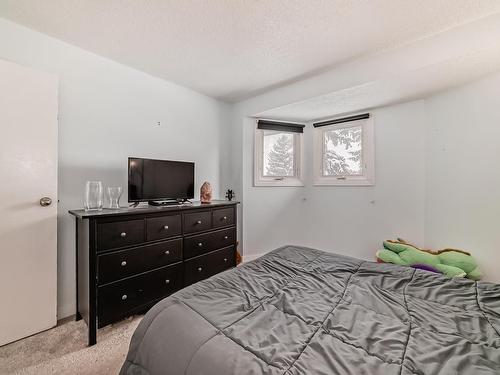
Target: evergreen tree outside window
[(344, 153), (278, 158), (278, 154)]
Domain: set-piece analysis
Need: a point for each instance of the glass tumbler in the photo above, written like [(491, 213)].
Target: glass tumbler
[(114, 194), (93, 196)]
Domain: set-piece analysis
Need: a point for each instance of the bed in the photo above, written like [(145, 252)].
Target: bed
[(304, 311)]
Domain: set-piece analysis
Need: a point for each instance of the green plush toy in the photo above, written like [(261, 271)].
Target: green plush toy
[(450, 262)]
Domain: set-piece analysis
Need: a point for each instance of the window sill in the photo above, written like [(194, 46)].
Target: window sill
[(285, 182), (343, 182)]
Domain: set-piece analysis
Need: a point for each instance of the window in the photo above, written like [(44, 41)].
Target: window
[(278, 154), (344, 151)]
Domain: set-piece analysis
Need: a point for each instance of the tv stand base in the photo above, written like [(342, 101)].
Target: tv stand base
[(163, 203), (168, 202)]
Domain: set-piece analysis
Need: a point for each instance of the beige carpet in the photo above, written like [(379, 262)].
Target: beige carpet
[(64, 350)]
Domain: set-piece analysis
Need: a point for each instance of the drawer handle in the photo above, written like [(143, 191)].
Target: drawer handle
[(224, 218), (165, 227), (124, 297), (226, 237), (124, 263), (200, 244), (123, 234), (167, 281), (225, 259), (199, 269), (198, 222), (167, 252)]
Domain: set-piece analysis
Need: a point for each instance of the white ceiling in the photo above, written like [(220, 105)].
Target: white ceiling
[(416, 70), (235, 49), (396, 89)]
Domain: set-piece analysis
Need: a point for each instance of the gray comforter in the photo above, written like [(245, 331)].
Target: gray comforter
[(304, 311)]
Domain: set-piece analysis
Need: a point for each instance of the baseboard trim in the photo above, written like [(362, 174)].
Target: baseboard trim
[(250, 257), (66, 320)]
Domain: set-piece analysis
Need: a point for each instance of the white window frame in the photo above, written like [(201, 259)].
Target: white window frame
[(368, 155), (261, 180)]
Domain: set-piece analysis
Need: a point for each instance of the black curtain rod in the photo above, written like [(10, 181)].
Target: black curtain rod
[(341, 120), (280, 126)]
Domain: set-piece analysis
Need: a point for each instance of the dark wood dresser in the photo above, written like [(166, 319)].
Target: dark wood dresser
[(129, 259)]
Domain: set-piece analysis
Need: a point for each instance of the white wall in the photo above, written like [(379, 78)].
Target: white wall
[(108, 112), (463, 173), (436, 182), (347, 220)]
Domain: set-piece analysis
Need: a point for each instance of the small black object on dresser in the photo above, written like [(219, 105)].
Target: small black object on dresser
[(128, 259)]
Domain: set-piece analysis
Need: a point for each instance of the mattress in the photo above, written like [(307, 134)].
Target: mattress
[(303, 311)]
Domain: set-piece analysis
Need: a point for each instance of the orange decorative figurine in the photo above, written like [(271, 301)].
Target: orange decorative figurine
[(206, 192)]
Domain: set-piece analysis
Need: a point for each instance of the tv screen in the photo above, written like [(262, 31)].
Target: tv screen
[(154, 180)]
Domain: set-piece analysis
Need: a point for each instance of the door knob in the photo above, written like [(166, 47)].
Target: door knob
[(45, 201)]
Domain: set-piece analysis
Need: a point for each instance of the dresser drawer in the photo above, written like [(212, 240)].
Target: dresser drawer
[(199, 268), (222, 217), (116, 300), (161, 227), (119, 234), (206, 242), (120, 264), (197, 221)]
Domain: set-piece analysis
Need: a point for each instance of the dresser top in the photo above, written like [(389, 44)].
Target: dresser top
[(147, 209)]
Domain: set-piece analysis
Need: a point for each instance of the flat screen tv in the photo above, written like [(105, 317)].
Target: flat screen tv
[(159, 180)]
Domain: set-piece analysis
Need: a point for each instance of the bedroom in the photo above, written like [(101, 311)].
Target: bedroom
[(428, 75)]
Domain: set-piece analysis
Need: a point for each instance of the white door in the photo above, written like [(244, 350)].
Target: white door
[(28, 172)]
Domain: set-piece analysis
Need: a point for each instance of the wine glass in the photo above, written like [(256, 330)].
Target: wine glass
[(114, 194)]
